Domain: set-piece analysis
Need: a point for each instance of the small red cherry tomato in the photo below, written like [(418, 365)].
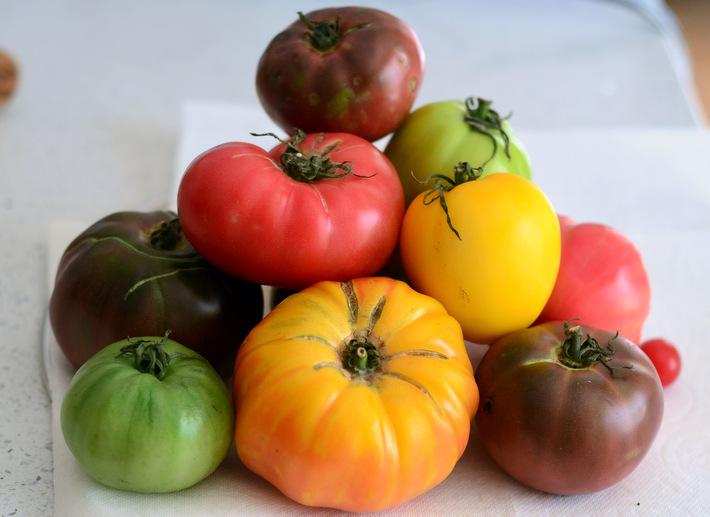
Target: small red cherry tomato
[(665, 357)]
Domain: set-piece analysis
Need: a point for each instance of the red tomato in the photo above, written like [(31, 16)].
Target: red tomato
[(294, 216), (344, 69), (601, 280), (665, 357), (567, 409)]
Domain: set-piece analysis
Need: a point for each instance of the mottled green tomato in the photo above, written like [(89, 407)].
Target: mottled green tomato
[(437, 136), (148, 415)]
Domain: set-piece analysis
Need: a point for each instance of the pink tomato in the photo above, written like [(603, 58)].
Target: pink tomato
[(602, 280)]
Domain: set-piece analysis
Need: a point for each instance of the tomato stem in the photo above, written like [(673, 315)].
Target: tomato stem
[(323, 35), (483, 119), (577, 354), (463, 172), (150, 356), (361, 356), (167, 235), (308, 169), (360, 352)]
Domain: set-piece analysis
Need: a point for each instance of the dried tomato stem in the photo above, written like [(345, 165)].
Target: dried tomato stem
[(168, 235)]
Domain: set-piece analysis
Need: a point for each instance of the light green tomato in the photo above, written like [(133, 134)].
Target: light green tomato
[(133, 431), (437, 136)]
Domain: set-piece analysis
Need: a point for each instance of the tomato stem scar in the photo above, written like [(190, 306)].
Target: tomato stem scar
[(167, 235)]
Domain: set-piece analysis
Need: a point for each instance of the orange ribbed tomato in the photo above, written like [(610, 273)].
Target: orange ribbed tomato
[(357, 395)]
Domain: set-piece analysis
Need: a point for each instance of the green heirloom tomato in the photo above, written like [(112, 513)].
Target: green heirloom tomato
[(437, 136), (148, 415)]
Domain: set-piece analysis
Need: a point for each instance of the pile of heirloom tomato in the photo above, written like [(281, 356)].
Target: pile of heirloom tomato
[(384, 269)]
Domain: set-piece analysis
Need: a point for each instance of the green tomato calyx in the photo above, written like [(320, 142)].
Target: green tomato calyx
[(167, 235), (150, 356), (577, 354), (463, 172), (322, 35), (313, 166), (481, 118)]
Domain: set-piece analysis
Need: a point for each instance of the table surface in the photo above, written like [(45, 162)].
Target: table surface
[(95, 125)]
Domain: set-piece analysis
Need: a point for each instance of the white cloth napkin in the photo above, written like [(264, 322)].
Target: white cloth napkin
[(654, 185)]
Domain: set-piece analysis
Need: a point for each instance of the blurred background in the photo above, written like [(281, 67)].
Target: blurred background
[(694, 19)]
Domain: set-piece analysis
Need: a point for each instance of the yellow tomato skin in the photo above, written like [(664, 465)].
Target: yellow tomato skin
[(362, 443), (498, 276)]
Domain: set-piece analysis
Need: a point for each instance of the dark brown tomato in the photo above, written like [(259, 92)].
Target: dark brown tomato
[(346, 69), (135, 274), (567, 409)]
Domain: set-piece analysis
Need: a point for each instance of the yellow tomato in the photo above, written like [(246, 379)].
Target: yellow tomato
[(357, 396), (496, 275)]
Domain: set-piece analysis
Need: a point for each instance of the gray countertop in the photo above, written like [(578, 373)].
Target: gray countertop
[(94, 125)]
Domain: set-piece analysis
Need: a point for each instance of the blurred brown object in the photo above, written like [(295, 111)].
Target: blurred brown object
[(694, 18), (8, 78)]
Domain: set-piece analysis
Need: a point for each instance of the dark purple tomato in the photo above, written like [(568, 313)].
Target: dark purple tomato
[(135, 274), (567, 409), (344, 69)]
